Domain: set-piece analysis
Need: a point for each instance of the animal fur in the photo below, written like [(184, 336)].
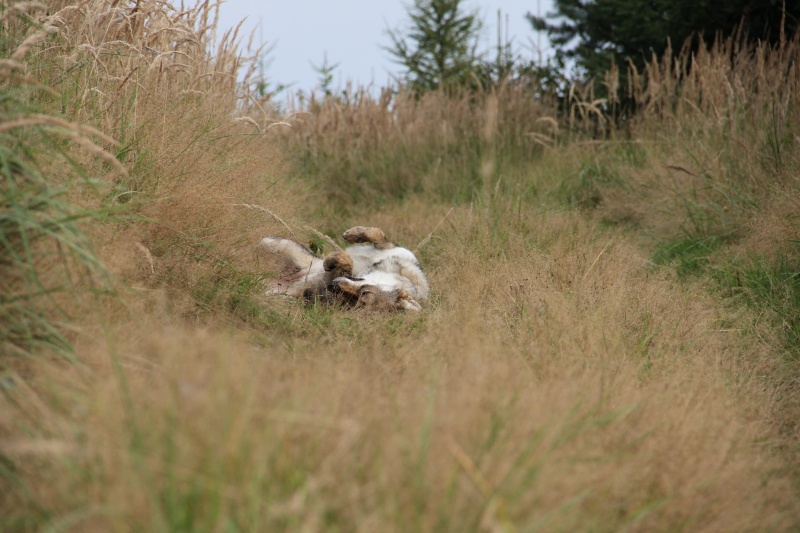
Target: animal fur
[(373, 273)]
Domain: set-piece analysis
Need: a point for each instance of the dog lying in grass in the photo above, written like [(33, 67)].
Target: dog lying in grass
[(378, 275)]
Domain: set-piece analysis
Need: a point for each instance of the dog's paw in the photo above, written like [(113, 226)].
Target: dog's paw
[(340, 263), (364, 234)]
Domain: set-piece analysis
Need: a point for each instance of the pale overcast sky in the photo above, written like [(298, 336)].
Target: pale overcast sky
[(351, 33)]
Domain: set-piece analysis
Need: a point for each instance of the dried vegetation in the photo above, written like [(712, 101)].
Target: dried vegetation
[(609, 344)]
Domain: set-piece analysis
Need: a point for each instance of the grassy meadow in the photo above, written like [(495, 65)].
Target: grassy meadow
[(611, 341)]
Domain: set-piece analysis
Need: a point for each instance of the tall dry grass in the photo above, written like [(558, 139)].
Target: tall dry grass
[(558, 384), (44, 252), (202, 177), (723, 125), (709, 174), (556, 380), (447, 146)]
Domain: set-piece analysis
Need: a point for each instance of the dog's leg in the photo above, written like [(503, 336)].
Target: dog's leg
[(294, 253), (375, 236), (301, 272)]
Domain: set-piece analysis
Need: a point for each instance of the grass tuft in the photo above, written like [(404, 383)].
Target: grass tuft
[(688, 255)]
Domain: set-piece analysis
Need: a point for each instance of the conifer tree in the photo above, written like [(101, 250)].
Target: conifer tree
[(590, 32), (438, 48)]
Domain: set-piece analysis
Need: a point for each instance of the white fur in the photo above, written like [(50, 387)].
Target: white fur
[(388, 269), (388, 274)]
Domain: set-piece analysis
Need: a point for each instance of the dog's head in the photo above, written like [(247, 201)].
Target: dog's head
[(374, 296)]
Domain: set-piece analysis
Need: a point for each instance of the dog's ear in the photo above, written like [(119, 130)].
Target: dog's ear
[(347, 285), (406, 302)]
